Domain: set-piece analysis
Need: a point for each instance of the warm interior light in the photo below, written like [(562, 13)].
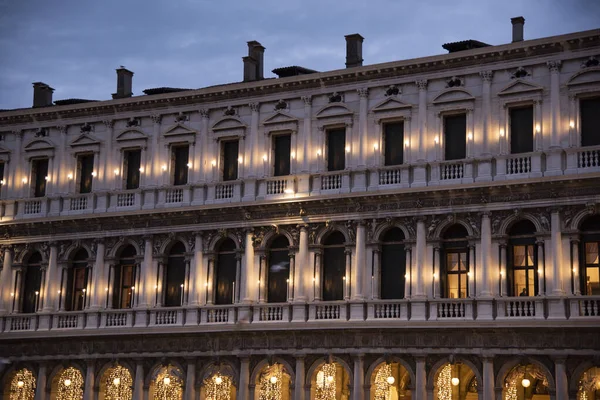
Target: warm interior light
[(117, 381), (218, 380), (67, 382), (525, 382), (405, 276), (470, 136), (37, 293), (214, 163), (179, 285), (434, 276), (538, 128), (273, 380), (133, 287), (344, 278), (319, 152), (58, 292), (406, 143), (240, 159), (293, 154), (83, 290), (167, 380), (70, 176), (574, 270), (20, 384), (258, 281), (116, 171), (141, 169), (287, 280), (436, 140), (539, 271), (347, 149), (164, 167), (572, 124), (106, 289), (390, 380), (501, 132), (12, 295), (501, 273), (1, 181), (94, 173), (46, 178), (455, 381), (469, 273), (24, 180), (375, 146), (155, 286), (265, 157)]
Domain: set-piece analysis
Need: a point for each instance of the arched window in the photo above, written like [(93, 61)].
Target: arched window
[(334, 267), (175, 276), (330, 381), (124, 279), (167, 384), (522, 260), (279, 270), (68, 385), (455, 263), (77, 279), (32, 283), (590, 262), (393, 264), (116, 383), (226, 272), (22, 385)]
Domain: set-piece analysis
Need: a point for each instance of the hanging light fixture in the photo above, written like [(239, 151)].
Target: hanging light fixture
[(455, 381), (525, 382), (273, 379), (117, 381), (20, 384), (167, 380), (67, 382), (390, 380), (218, 380)]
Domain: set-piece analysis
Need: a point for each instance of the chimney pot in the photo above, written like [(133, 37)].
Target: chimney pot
[(517, 28), (254, 62), (124, 83), (42, 94), (354, 50)]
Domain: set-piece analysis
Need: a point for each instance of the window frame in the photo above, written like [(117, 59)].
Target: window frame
[(328, 131), (523, 241), (34, 177), (444, 136), (534, 133), (588, 97), (384, 141), (274, 155), (79, 173), (126, 152), (174, 148), (236, 164)]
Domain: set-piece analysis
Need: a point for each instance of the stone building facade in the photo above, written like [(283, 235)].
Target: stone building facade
[(419, 229)]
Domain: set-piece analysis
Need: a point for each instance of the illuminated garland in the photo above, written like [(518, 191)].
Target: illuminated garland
[(588, 383), (118, 384), (326, 382), (511, 390), (382, 387), (70, 385), (271, 382), (444, 383), (22, 386), (168, 386), (218, 387)]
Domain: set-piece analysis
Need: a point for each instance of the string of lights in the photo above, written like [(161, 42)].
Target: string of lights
[(168, 386), (218, 387), (326, 382), (383, 381), (271, 382), (22, 386), (70, 385), (444, 383), (118, 384)]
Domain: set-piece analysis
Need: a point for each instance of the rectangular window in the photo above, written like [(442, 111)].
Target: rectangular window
[(39, 174), (457, 270), (590, 121), (336, 143), (229, 158), (77, 288), (521, 130), (124, 281), (393, 143), (131, 168), (282, 146), (592, 269), (524, 270), (179, 162), (85, 169), (455, 137)]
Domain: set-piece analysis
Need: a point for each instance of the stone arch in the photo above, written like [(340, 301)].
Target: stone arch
[(12, 370), (156, 367), (108, 365), (435, 369), (72, 249), (578, 373), (327, 230), (580, 218), (447, 223), (167, 245), (382, 228), (27, 252), (225, 368), (398, 360), (511, 220), (333, 109), (322, 360), (272, 234), (266, 362), (509, 365), (123, 242), (216, 240), (59, 368)]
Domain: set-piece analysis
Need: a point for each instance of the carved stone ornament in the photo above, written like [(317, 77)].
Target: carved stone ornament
[(131, 122), (520, 73), (41, 132), (554, 65), (307, 100), (203, 112), (392, 90), (454, 82), (229, 111), (254, 107), (432, 225), (156, 118), (336, 97), (86, 128), (281, 105), (475, 224), (487, 76), (351, 227), (421, 84), (363, 92), (590, 62), (181, 118), (109, 123), (544, 221)]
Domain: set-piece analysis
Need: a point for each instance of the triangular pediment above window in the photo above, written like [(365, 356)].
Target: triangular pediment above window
[(391, 105), (280, 118), (131, 135), (85, 140), (588, 75), (334, 110), (453, 95), (179, 130), (39, 145), (520, 86), (228, 123)]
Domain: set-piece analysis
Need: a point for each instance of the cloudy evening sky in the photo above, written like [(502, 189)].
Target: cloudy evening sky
[(75, 45)]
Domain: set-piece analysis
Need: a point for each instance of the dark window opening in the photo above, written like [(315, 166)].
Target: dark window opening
[(229, 158), (393, 264), (279, 270), (336, 153), (226, 272), (521, 130), (522, 263), (85, 169), (455, 140), (132, 162), (334, 267), (282, 147), (124, 279), (32, 283), (39, 174), (393, 143), (77, 282), (175, 276), (180, 160), (590, 121)]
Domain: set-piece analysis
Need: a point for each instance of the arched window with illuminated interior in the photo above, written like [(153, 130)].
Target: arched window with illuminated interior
[(455, 381), (589, 274), (77, 280), (116, 383), (32, 283), (167, 384), (67, 385), (124, 275), (334, 266), (390, 381), (174, 277), (21, 386), (273, 383), (218, 387), (454, 275), (588, 387), (522, 262), (226, 272), (278, 270), (525, 381), (392, 264), (330, 381)]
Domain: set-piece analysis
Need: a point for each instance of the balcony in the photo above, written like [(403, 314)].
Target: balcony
[(520, 166), (390, 177), (583, 160), (451, 309), (224, 192), (331, 182), (276, 187)]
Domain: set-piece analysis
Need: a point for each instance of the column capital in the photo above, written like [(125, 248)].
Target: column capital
[(109, 123), (203, 113), (487, 75), (421, 84), (554, 65), (363, 92), (307, 100), (254, 107), (156, 118)]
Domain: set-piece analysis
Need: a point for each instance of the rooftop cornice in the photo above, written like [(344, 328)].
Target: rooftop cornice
[(245, 90)]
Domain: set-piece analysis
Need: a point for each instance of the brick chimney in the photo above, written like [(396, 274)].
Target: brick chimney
[(124, 83), (354, 50), (42, 94), (517, 28), (254, 62)]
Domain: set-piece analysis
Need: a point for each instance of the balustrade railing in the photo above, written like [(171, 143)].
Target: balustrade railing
[(454, 170), (32, 207), (588, 306), (174, 196), (387, 309), (391, 176), (125, 199), (588, 158), (331, 181), (271, 312), (520, 307), (451, 309), (277, 186), (518, 165), (69, 320), (78, 203), (224, 191)]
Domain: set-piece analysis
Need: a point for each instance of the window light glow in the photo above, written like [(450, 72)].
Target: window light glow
[(240, 159), (94, 174), (293, 155), (470, 136), (24, 180), (375, 146), (347, 149), (1, 181), (501, 132), (141, 169), (538, 128), (189, 165), (213, 163), (265, 158), (436, 140), (164, 167), (406, 143), (572, 124), (70, 176), (116, 171), (46, 178), (319, 152)]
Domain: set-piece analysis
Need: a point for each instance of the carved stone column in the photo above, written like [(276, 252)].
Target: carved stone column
[(210, 268), (541, 271), (250, 277), (488, 378), (358, 392), (575, 266), (562, 384), (290, 281), (318, 275), (196, 274), (376, 279), (97, 287), (300, 377), (361, 261), (40, 389), (436, 272), (88, 391), (557, 273), (362, 136), (190, 381), (421, 379), (6, 281), (244, 377), (420, 257), (307, 133), (554, 67), (486, 97), (348, 275), (408, 274), (302, 267), (503, 260), (138, 385), (422, 119)]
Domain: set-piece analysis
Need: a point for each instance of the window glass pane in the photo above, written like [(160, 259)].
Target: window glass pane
[(590, 121), (463, 286), (230, 161), (463, 262), (39, 172), (520, 283), (531, 282), (181, 156), (334, 269), (282, 145), (133, 163), (455, 143), (530, 256), (33, 282), (86, 168), (226, 271), (519, 256), (393, 270), (336, 144), (394, 143), (591, 253), (174, 279), (279, 273), (592, 281), (452, 261), (453, 292), (521, 130)]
